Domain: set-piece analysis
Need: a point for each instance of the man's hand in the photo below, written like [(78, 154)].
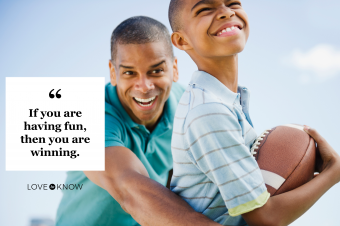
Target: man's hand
[(147, 201)]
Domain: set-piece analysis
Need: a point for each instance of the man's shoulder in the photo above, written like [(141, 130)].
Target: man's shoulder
[(111, 101), (177, 90), (113, 115), (110, 93)]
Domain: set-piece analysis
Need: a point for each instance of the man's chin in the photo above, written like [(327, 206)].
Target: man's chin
[(145, 116)]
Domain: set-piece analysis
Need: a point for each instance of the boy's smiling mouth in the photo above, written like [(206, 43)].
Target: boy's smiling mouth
[(228, 29)]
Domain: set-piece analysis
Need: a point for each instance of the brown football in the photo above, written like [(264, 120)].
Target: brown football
[(286, 156)]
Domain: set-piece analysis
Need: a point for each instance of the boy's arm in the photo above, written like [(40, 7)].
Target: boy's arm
[(285, 208), (148, 202), (216, 144)]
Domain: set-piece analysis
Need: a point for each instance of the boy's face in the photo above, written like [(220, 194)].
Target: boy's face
[(214, 28), (143, 74)]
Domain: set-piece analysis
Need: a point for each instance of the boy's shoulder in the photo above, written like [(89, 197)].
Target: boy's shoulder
[(199, 104), (207, 89), (196, 95)]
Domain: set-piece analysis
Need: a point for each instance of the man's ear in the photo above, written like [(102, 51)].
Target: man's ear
[(175, 70), (113, 77), (179, 41)]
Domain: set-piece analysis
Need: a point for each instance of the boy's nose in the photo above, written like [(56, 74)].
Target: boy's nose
[(144, 84), (225, 13)]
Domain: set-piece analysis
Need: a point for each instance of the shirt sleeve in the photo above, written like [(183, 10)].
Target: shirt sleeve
[(216, 146), (114, 131)]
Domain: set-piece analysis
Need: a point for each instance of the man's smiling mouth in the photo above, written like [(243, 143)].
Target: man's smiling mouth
[(145, 102)]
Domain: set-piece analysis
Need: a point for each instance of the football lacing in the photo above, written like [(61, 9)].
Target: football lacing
[(257, 143)]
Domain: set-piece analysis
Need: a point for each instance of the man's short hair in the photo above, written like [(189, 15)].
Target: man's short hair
[(175, 10), (140, 30)]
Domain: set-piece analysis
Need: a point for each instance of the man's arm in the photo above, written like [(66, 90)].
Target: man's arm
[(148, 202), (285, 208)]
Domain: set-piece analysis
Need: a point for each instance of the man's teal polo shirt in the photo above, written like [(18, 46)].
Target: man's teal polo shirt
[(95, 206)]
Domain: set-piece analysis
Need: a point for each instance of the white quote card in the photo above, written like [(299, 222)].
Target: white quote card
[(55, 124)]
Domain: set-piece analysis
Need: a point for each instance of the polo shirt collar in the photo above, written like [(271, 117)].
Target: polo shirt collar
[(114, 99), (167, 118), (212, 84), (169, 110)]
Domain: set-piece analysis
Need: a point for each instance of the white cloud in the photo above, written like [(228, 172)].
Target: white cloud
[(322, 61)]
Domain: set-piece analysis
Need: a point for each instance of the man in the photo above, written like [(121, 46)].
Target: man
[(140, 106)]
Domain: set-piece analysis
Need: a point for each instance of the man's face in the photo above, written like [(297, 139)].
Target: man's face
[(215, 28), (143, 74)]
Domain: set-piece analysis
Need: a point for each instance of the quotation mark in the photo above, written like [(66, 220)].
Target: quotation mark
[(52, 186), (57, 95)]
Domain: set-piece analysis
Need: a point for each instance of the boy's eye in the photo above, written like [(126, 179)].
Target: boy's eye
[(157, 71), (235, 3), (203, 9)]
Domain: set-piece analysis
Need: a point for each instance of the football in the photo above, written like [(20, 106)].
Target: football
[(286, 156)]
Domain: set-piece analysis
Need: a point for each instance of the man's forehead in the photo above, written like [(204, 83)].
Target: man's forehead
[(148, 53)]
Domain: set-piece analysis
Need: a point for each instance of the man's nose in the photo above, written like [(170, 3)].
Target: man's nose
[(144, 84), (224, 12)]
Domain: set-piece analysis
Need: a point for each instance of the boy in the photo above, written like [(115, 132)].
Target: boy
[(213, 168)]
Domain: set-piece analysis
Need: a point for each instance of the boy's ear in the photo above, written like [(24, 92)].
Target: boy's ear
[(179, 41), (113, 77), (175, 75)]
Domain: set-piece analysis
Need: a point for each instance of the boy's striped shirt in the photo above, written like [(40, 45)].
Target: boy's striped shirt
[(213, 169)]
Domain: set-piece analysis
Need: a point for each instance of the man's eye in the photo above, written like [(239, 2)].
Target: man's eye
[(203, 9), (128, 73)]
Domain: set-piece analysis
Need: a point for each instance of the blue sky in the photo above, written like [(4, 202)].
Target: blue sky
[(291, 64)]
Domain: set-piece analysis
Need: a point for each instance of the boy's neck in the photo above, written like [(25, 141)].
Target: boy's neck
[(224, 69)]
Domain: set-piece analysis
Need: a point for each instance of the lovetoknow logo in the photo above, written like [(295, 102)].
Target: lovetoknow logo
[(46, 187)]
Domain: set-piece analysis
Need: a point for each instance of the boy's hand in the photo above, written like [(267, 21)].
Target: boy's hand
[(285, 208), (326, 156)]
